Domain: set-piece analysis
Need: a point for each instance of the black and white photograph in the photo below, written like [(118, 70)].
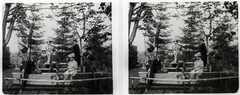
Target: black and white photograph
[(183, 47), (57, 48)]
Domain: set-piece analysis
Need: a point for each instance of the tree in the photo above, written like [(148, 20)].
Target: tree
[(107, 9), (158, 23), (95, 39), (190, 34), (29, 28), (11, 14), (134, 15), (209, 16), (232, 7), (222, 38), (82, 19), (79, 17)]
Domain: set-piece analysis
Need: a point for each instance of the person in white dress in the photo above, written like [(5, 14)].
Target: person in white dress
[(198, 66), (72, 67)]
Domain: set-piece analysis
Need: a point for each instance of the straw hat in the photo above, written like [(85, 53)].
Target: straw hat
[(197, 54), (71, 55)]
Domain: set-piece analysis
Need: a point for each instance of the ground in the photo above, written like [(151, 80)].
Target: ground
[(140, 88), (83, 89)]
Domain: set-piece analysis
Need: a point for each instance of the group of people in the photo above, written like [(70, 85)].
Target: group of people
[(175, 55), (50, 59)]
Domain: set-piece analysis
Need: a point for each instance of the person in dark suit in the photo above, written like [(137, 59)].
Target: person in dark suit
[(54, 61), (203, 51), (180, 60), (76, 51), (157, 64)]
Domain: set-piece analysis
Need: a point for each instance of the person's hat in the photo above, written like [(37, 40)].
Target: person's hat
[(71, 55), (197, 54)]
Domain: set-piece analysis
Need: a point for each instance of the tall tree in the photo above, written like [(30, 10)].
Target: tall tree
[(80, 18), (30, 28), (209, 16), (156, 26), (134, 15), (190, 33)]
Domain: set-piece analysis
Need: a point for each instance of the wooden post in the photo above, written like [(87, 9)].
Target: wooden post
[(132, 83), (100, 87), (183, 86), (146, 83), (58, 88), (225, 84), (6, 84)]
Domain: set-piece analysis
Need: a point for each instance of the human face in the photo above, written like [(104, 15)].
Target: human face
[(71, 59), (198, 57)]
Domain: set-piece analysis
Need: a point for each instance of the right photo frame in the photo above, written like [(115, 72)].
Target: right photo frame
[(183, 47)]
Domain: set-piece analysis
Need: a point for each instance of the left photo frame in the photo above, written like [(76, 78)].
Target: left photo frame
[(57, 48)]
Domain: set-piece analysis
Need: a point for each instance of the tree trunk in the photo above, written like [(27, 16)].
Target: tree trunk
[(14, 16), (132, 5), (135, 27), (30, 41), (4, 23)]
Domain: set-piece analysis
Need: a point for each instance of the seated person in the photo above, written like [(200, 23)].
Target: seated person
[(169, 59), (180, 60), (42, 60), (72, 67), (54, 60), (198, 66)]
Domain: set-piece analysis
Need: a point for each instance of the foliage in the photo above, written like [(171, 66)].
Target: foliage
[(232, 7), (29, 28), (207, 18), (222, 39), (107, 9), (95, 39), (81, 21), (158, 23)]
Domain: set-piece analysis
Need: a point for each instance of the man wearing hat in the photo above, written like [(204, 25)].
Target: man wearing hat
[(198, 65), (72, 66), (203, 51), (76, 51)]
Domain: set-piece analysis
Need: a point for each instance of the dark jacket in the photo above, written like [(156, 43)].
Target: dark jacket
[(76, 52)]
